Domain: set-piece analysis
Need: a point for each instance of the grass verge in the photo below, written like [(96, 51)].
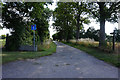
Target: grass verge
[(13, 56), (107, 57)]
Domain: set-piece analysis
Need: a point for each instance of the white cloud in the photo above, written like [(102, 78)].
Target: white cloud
[(52, 7), (4, 31), (109, 27)]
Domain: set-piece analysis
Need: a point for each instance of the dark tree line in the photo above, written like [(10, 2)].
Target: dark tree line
[(90, 33), (79, 14), (118, 36)]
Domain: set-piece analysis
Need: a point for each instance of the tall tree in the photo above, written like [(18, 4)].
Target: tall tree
[(12, 19), (40, 16), (104, 11), (69, 17), (80, 10), (63, 18), (19, 17)]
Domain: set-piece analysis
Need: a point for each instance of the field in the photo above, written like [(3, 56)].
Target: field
[(108, 47), (13, 56), (117, 48), (92, 49)]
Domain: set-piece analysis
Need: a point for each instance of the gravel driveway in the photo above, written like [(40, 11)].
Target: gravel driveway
[(67, 62)]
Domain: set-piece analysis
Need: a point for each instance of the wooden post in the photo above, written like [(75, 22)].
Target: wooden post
[(7, 42), (114, 40)]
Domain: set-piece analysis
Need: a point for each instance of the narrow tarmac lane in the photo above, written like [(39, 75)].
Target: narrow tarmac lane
[(67, 62)]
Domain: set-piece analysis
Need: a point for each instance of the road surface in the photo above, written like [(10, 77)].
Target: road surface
[(67, 62)]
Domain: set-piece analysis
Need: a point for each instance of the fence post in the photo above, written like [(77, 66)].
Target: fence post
[(114, 40), (7, 42)]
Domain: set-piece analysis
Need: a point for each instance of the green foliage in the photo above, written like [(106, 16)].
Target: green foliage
[(57, 36), (13, 20), (117, 36), (63, 19), (80, 10), (66, 17), (44, 46), (109, 10), (19, 17), (3, 36), (2, 43), (109, 40), (92, 34), (40, 17), (102, 12)]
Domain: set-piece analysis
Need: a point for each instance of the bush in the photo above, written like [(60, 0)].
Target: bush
[(3, 36), (43, 46), (12, 43)]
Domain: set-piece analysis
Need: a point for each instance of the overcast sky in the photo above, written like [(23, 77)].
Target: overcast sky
[(109, 27)]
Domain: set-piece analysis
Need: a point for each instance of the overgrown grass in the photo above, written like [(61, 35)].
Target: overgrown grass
[(13, 56), (2, 42), (94, 51), (44, 46), (107, 48)]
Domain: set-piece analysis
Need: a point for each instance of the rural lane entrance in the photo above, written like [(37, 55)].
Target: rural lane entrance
[(67, 62)]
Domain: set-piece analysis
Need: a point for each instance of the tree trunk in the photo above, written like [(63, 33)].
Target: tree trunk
[(102, 33), (102, 24), (78, 28)]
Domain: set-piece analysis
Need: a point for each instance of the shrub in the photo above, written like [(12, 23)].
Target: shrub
[(43, 46), (3, 36)]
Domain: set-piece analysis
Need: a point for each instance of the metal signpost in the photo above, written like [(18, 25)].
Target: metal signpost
[(33, 27)]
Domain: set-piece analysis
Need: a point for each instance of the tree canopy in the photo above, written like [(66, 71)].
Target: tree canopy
[(19, 17), (68, 17), (102, 12), (63, 19), (78, 15)]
